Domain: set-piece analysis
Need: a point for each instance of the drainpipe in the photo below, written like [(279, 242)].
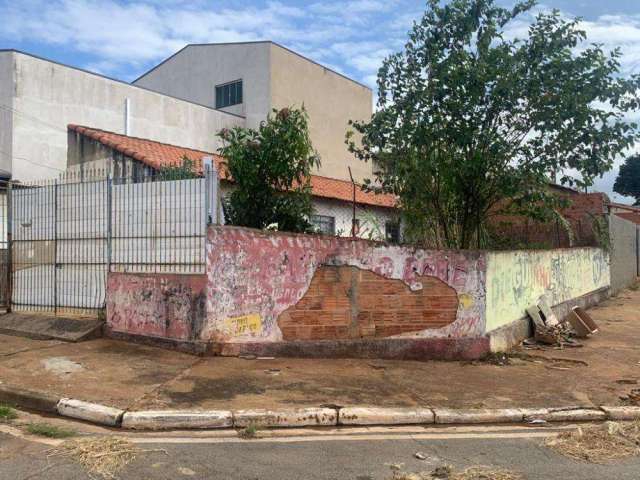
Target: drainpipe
[(127, 116)]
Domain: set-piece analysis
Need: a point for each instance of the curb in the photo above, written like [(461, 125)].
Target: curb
[(303, 417)]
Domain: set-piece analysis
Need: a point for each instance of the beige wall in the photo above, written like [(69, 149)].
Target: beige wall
[(331, 101), (193, 73), (49, 96)]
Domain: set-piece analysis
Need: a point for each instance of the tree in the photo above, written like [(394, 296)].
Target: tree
[(184, 171), (471, 123), (628, 179), (271, 167)]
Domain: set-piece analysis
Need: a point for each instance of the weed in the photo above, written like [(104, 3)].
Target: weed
[(7, 413), (249, 432), (50, 431)]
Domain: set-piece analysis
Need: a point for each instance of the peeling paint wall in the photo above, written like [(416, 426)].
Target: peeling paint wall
[(517, 279), (254, 276), (161, 305)]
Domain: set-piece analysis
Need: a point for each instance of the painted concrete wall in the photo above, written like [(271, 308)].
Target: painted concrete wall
[(7, 86), (273, 77), (516, 279), (255, 276), (158, 305), (49, 96), (372, 219), (193, 73), (331, 101), (624, 252)]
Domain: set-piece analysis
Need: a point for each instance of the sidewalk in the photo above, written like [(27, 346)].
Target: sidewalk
[(137, 377)]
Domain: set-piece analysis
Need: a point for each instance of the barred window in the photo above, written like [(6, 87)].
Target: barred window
[(392, 231), (324, 224)]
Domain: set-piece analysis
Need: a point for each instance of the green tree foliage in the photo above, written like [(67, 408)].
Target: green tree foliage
[(470, 122), (628, 179), (184, 171), (271, 167)]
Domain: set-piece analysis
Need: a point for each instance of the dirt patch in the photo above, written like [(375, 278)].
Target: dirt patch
[(599, 444)]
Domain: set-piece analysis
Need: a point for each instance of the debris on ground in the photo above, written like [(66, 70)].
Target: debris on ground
[(599, 444), (104, 456), (446, 472), (560, 334), (420, 456), (272, 371), (633, 398)]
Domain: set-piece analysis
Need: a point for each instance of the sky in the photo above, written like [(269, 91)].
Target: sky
[(124, 39)]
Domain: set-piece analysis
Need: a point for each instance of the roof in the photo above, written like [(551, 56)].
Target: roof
[(158, 154), (631, 216), (271, 42)]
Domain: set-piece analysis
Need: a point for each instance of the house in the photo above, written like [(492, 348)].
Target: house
[(92, 149), (252, 78), (184, 101)]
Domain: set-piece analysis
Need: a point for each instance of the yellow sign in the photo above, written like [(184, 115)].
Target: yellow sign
[(246, 324)]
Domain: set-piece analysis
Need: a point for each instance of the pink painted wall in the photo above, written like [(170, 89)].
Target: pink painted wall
[(156, 305), (254, 276)]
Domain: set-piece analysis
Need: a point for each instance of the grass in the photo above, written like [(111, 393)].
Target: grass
[(49, 431), (599, 444), (7, 413), (249, 432), (104, 456)]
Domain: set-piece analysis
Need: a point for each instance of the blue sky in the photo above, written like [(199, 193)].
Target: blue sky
[(123, 39)]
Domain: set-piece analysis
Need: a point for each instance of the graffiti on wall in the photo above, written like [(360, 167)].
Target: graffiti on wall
[(266, 273), (517, 279), (158, 305)]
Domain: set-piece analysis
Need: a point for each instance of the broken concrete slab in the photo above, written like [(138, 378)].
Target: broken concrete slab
[(481, 415), (569, 414), (384, 416), (177, 419), (92, 412), (624, 413), (549, 317), (304, 417), (46, 327)]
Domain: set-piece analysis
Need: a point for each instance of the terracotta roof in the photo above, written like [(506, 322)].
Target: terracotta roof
[(631, 216), (158, 154)]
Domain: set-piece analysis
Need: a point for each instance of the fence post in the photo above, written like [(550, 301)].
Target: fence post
[(55, 247), (9, 292), (212, 187), (109, 186)]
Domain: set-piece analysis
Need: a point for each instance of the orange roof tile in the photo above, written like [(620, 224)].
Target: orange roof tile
[(158, 154), (631, 216)]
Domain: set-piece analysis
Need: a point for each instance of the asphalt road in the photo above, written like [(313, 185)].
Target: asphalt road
[(342, 455)]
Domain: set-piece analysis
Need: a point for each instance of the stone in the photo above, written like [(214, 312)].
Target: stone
[(622, 413), (485, 415), (385, 416), (177, 419), (304, 417), (91, 412)]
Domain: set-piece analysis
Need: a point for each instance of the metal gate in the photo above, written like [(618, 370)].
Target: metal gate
[(66, 235), (59, 246)]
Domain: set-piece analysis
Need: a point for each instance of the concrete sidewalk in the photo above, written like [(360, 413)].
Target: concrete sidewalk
[(137, 377)]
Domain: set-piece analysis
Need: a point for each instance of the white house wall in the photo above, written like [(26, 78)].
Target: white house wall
[(49, 96)]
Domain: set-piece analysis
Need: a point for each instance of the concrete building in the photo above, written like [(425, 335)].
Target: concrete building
[(39, 98), (252, 78)]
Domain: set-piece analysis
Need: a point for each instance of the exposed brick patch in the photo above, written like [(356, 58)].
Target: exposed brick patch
[(349, 303)]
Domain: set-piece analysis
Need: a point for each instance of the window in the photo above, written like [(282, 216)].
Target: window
[(392, 231), (324, 224), (229, 94)]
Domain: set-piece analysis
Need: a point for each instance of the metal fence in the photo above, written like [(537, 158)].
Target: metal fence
[(65, 235)]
